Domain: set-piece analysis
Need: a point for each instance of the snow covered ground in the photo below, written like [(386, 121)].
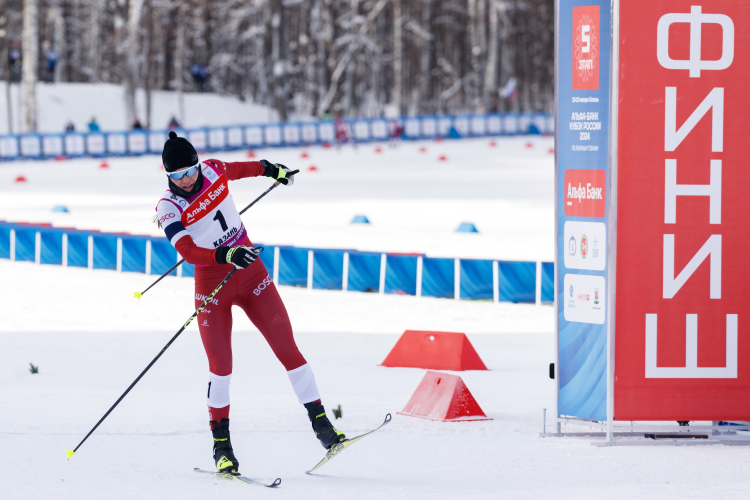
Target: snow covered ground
[(90, 339)]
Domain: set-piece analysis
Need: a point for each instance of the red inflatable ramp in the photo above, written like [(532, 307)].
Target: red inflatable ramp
[(434, 351), (443, 397)]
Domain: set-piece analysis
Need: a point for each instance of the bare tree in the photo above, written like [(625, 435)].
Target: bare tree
[(6, 63), (131, 69), (398, 53), (30, 55)]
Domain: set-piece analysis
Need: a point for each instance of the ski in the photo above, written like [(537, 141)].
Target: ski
[(232, 477), (339, 447)]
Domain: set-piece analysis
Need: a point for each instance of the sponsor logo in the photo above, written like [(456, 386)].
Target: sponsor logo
[(225, 238), (201, 207), (202, 297), (584, 305), (262, 286), (205, 323), (586, 48), (210, 174), (591, 250), (168, 216), (183, 203), (584, 246), (585, 193)]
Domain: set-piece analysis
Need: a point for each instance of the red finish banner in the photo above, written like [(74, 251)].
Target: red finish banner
[(683, 282)]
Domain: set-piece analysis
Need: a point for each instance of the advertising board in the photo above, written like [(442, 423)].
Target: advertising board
[(582, 155), (681, 227)]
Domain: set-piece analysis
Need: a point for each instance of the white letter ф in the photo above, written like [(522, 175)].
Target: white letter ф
[(695, 64)]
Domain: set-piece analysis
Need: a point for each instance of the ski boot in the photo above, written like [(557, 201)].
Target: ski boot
[(223, 453), (324, 430)]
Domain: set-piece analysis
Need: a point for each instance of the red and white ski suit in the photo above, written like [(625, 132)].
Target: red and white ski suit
[(196, 226)]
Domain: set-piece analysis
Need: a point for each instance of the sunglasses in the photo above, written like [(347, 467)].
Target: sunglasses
[(190, 171)]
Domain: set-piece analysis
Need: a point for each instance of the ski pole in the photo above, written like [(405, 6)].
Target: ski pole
[(138, 295), (200, 308)]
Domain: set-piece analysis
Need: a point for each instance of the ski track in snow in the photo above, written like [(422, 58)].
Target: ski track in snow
[(91, 338)]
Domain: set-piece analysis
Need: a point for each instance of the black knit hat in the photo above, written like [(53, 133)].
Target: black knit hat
[(178, 153)]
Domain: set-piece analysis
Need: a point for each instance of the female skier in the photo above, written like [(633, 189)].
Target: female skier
[(200, 220)]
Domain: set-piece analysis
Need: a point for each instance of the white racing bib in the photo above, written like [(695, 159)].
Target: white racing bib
[(211, 219)]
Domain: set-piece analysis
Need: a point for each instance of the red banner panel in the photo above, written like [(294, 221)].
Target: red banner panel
[(681, 339)]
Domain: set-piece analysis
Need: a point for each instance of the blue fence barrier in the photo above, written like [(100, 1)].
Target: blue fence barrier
[(133, 255), (332, 269), (51, 247), (438, 277), (328, 269), (476, 280), (25, 244), (517, 281), (364, 272), (548, 281), (284, 134), (105, 252), (293, 266), (401, 274), (78, 249), (267, 257)]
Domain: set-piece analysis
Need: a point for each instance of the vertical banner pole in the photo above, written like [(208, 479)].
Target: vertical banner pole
[(612, 221), (556, 305)]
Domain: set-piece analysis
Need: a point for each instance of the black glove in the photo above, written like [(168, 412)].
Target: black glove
[(240, 256), (278, 172)]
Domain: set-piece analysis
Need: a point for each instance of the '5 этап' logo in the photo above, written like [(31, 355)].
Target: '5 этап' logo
[(586, 48)]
